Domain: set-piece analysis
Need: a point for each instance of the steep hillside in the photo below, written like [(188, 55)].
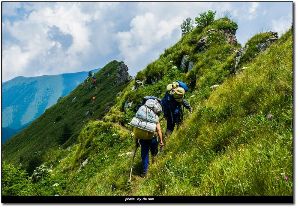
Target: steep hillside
[(237, 141), (61, 123), (26, 98)]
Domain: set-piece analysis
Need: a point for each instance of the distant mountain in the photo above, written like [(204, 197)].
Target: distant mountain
[(26, 98), (7, 133)]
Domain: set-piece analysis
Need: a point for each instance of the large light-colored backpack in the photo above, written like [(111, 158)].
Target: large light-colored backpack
[(145, 119)]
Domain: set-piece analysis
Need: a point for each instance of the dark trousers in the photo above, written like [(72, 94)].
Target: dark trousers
[(170, 124), (173, 120), (147, 145)]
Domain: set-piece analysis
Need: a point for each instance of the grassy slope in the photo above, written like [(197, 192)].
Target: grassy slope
[(61, 123), (226, 147), (231, 145), (234, 148)]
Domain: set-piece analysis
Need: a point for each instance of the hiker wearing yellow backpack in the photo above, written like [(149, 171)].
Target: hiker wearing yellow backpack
[(173, 103), (147, 130)]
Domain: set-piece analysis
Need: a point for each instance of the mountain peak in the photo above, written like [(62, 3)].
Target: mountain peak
[(122, 73)]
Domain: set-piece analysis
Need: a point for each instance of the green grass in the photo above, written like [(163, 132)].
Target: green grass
[(227, 146), (252, 49), (233, 148)]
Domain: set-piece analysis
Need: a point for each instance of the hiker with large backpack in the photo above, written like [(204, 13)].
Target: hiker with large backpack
[(173, 103), (147, 130)]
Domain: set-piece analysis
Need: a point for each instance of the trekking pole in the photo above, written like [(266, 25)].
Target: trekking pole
[(131, 167), (161, 149)]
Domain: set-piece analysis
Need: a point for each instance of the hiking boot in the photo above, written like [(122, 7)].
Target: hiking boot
[(144, 175), (153, 160)]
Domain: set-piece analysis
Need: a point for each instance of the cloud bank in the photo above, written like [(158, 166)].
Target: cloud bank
[(53, 38)]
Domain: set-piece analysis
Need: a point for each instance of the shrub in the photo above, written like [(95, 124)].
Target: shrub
[(205, 19), (224, 24), (15, 181), (34, 161)]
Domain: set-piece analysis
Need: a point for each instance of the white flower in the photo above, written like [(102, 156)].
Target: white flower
[(55, 185)]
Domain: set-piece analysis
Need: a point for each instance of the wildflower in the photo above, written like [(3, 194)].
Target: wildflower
[(270, 116), (286, 178), (55, 185)]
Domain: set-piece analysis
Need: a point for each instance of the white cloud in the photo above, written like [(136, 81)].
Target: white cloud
[(14, 61), (36, 53), (91, 26), (244, 10), (68, 18), (282, 24), (94, 33), (146, 38), (253, 10)]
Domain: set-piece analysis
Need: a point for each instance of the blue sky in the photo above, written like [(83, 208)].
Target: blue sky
[(59, 37)]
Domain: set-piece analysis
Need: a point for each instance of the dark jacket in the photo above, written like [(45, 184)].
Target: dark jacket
[(173, 109)]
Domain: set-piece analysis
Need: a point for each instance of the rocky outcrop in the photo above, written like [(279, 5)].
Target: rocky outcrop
[(84, 162), (201, 44), (184, 62), (238, 57), (261, 46), (264, 45), (229, 35), (127, 105), (191, 65), (231, 38), (138, 84), (122, 74)]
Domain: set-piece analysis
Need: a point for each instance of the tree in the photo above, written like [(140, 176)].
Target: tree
[(34, 161), (187, 26), (205, 19)]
